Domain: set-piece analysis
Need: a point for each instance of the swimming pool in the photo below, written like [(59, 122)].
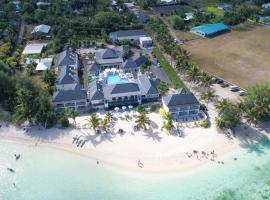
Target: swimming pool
[(115, 78)]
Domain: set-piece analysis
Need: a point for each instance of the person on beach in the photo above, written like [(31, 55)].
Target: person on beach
[(97, 162), (140, 164)]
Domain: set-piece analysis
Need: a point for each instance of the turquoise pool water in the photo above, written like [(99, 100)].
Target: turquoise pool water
[(115, 78), (48, 174)]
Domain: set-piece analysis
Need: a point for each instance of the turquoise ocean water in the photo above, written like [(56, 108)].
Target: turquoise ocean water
[(48, 174)]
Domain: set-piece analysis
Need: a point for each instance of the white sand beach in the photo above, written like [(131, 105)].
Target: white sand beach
[(157, 151)]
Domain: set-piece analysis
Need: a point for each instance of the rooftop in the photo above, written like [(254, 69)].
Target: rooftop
[(69, 95), (126, 33), (210, 29), (67, 57), (182, 97), (34, 48), (44, 64), (41, 29)]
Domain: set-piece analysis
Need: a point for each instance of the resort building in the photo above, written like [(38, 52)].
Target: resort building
[(209, 30), (181, 105), (69, 93), (41, 31), (34, 49), (122, 93), (109, 58), (43, 64), (146, 42), (132, 35)]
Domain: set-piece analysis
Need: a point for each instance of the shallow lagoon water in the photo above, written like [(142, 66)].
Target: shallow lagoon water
[(45, 173)]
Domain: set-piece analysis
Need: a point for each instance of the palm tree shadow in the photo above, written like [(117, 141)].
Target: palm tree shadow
[(150, 134), (51, 134), (254, 140), (97, 139)]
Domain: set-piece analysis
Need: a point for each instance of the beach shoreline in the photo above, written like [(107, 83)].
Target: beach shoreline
[(115, 154)]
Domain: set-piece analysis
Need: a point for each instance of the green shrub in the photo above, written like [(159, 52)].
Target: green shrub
[(204, 123), (153, 107), (64, 122)]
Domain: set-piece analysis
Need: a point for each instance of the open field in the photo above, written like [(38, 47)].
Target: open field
[(240, 56)]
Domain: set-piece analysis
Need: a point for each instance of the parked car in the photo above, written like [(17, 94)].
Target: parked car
[(224, 84), (242, 93), (234, 88), (219, 81)]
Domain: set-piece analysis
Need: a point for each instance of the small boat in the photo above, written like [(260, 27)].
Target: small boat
[(11, 170)]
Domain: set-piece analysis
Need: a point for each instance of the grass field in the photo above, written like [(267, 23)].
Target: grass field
[(178, 83), (241, 56)]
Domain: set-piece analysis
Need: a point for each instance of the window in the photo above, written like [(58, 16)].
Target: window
[(126, 98), (120, 98), (113, 98)]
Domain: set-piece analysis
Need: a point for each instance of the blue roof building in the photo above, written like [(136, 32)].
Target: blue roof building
[(208, 30)]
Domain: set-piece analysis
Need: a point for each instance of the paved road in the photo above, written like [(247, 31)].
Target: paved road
[(172, 31), (20, 36)]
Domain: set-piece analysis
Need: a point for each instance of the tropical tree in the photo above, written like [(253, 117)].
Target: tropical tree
[(142, 121), (94, 121), (168, 122), (63, 116), (140, 109), (109, 117), (73, 114), (229, 115), (193, 72), (256, 103), (105, 124), (205, 79), (222, 104), (209, 95)]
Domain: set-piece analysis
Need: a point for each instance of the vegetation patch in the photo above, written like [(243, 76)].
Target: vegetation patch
[(178, 83)]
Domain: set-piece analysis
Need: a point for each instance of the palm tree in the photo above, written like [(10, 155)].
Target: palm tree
[(73, 114), (222, 105), (105, 124), (205, 79), (168, 122), (94, 121), (109, 117), (193, 72), (208, 95), (142, 121)]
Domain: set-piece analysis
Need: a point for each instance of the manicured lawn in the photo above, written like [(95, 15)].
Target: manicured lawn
[(178, 83), (216, 11)]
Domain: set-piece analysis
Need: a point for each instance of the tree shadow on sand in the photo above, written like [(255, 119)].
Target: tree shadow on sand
[(150, 134), (97, 139), (253, 139), (42, 134)]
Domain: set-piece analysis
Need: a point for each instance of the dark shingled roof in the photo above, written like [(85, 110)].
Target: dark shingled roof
[(138, 62), (96, 91), (94, 67), (129, 33), (67, 75), (183, 97), (110, 53), (70, 95), (67, 57), (147, 85), (125, 88)]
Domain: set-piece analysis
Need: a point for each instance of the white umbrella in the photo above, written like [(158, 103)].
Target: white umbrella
[(107, 70), (116, 109), (124, 107), (113, 70), (130, 106)]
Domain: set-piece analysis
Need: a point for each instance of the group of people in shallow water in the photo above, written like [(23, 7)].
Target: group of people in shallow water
[(78, 141)]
